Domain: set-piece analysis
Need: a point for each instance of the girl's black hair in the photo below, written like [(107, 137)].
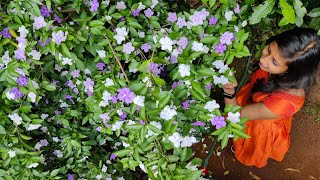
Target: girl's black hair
[(301, 48)]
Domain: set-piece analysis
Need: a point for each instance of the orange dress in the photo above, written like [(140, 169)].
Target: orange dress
[(269, 138)]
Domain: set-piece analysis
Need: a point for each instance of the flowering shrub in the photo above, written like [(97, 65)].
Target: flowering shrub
[(92, 89)]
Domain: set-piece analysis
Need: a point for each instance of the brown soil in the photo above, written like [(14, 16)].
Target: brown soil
[(302, 161)]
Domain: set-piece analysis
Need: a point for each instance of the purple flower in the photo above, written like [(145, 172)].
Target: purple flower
[(173, 59), (146, 47), (57, 112), (198, 123), (5, 33), (148, 13), (70, 84), (113, 156), (125, 95), (122, 18), (68, 97), (136, 12), (123, 116), (94, 5), (44, 142), (88, 86), (175, 84), (227, 38), (57, 19), (172, 16), (22, 81), (220, 48), (128, 48), (237, 9), (208, 86), (114, 99), (213, 21), (183, 42), (20, 54), (154, 68), (17, 93), (218, 121), (141, 122), (45, 43), (44, 11), (181, 22), (59, 121), (75, 73), (100, 66), (185, 105), (99, 128), (70, 177)]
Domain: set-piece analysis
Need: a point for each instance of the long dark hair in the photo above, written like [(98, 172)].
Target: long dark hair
[(301, 48)]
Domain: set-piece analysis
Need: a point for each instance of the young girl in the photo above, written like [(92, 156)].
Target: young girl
[(276, 91)]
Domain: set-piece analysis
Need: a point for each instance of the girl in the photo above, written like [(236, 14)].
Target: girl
[(276, 91)]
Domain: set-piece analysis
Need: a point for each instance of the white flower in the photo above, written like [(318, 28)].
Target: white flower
[(121, 33), (244, 23), (64, 105), (205, 49), (168, 113), (130, 122), (38, 146), (35, 84), (106, 95), (104, 168), (220, 80), (57, 67), (197, 46), (15, 118), (9, 95), (139, 100), (39, 23), (59, 37), (124, 144), (106, 2), (211, 105), (228, 15), (33, 165), (32, 127), (12, 153), (141, 6), (6, 58), (175, 138), (66, 61), (220, 65), (184, 70), (23, 31), (101, 53), (141, 165), (234, 117), (108, 82), (155, 124), (55, 139), (147, 81), (44, 116), (193, 168), (188, 141), (121, 5), (166, 43), (117, 125), (87, 71), (32, 96), (141, 34), (99, 176), (154, 3), (236, 28), (35, 54)]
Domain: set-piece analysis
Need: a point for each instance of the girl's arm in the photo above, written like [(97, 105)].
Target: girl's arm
[(252, 111)]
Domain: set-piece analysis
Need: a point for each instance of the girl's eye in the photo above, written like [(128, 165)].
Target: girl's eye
[(274, 62)]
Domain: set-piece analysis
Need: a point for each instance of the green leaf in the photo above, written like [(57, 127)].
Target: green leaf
[(173, 158), (65, 122), (135, 25), (136, 154), (122, 153), (224, 141), (154, 129), (159, 81), (183, 154), (193, 175), (208, 39), (211, 3), (299, 9), (283, 22), (219, 131), (240, 133), (65, 50), (314, 12), (96, 31), (261, 11), (24, 136), (198, 88), (206, 72), (287, 11), (49, 87), (2, 130), (155, 24), (164, 101), (230, 58), (95, 23), (143, 67), (54, 172)]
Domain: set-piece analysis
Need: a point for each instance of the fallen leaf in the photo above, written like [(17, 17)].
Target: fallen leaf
[(311, 177), (226, 173), (291, 169), (254, 176), (223, 166)]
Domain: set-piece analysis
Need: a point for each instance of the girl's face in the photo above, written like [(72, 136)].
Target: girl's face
[(271, 59)]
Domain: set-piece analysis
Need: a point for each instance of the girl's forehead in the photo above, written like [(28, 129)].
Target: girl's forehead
[(276, 53)]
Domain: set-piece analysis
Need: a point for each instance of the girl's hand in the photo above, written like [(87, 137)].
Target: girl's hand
[(230, 87)]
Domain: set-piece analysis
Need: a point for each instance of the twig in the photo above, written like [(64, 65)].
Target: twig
[(118, 61)]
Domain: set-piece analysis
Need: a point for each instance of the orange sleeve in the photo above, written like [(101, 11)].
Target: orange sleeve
[(282, 104)]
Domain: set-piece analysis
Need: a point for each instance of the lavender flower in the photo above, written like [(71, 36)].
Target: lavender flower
[(5, 33), (70, 177), (136, 12), (172, 16), (123, 116), (198, 123), (141, 122), (183, 42), (114, 99), (218, 121), (113, 156), (128, 48), (146, 47), (220, 48), (68, 97), (125, 95), (45, 43), (173, 59), (181, 22), (227, 38), (75, 73), (94, 5), (20, 54), (100, 66), (88, 86), (213, 21), (17, 93), (237, 9), (44, 11), (57, 112), (22, 81), (209, 86), (154, 68), (44, 142), (99, 128), (148, 13)]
